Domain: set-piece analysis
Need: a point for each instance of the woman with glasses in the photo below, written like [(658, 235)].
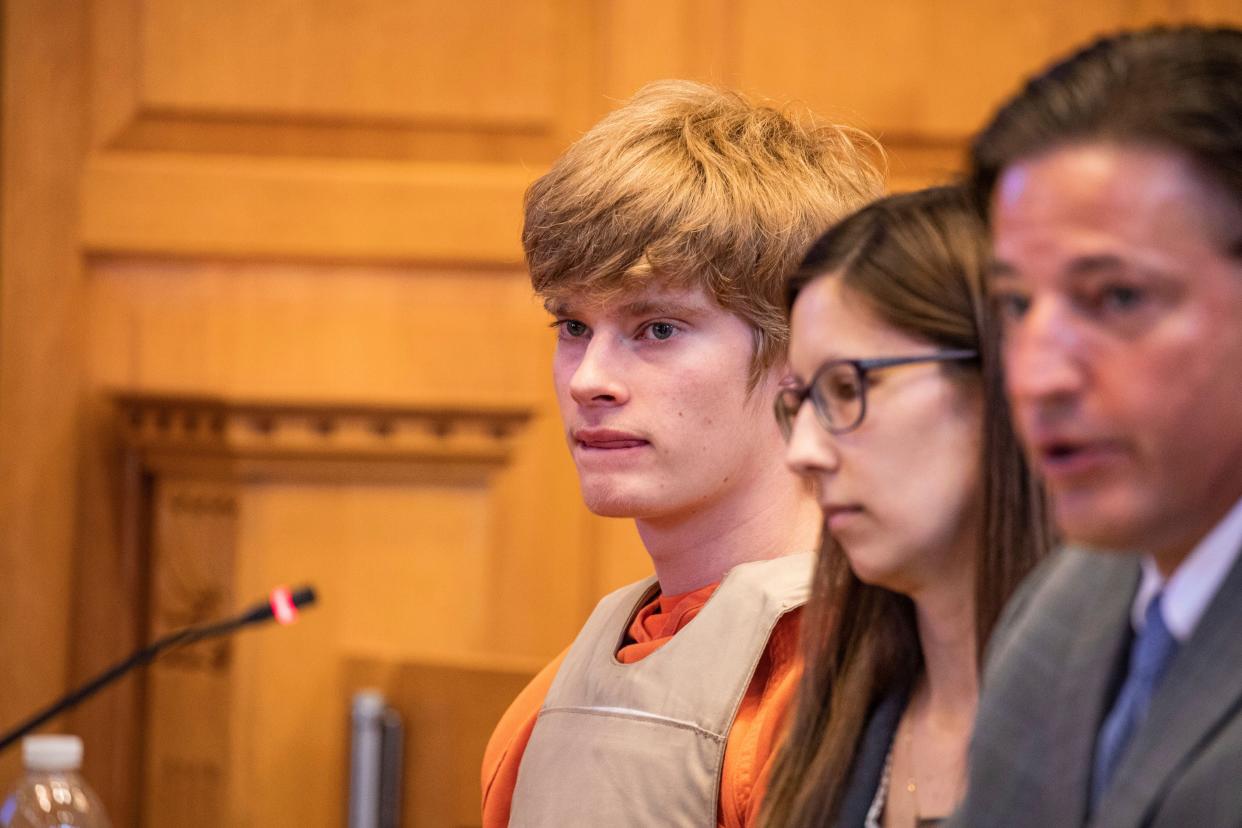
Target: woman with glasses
[(897, 414)]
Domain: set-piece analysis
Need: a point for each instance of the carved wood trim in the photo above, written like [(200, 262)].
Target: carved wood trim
[(192, 560), (188, 459), (275, 438)]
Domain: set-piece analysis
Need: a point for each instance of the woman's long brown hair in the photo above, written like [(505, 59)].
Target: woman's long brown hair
[(918, 261)]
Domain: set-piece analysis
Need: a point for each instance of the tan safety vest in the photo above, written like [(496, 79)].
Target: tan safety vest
[(643, 744)]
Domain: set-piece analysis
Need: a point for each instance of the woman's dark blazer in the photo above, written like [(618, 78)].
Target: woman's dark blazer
[(868, 765)]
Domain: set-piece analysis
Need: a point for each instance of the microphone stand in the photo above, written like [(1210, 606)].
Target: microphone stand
[(282, 602)]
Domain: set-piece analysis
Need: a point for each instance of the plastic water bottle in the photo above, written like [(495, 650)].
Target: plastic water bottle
[(52, 794)]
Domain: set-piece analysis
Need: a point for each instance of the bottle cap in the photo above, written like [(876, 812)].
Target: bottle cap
[(368, 704), (52, 753)]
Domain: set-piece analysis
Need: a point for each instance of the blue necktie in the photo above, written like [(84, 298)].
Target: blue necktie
[(1150, 654)]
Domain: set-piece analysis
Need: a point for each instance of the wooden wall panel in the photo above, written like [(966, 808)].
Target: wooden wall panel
[(41, 323), (402, 572), (479, 62), (395, 527), (168, 204), (645, 40), (479, 65), (923, 76), (320, 202), (926, 69), (178, 81), (320, 331), (401, 566), (470, 99)]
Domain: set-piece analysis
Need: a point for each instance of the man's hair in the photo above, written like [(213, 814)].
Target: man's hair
[(1177, 89), (689, 185)]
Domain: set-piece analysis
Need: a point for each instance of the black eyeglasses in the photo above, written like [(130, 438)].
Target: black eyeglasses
[(838, 390)]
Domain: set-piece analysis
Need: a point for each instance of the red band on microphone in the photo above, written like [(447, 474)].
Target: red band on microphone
[(282, 606)]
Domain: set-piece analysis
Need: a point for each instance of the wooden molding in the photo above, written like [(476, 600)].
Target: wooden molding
[(231, 206), (393, 64), (197, 454), (274, 436)]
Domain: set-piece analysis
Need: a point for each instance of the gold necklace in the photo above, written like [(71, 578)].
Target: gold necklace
[(912, 784)]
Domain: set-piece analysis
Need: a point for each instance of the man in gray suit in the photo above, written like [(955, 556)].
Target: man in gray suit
[(1113, 690)]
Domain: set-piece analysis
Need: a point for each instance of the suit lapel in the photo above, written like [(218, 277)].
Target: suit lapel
[(1203, 684), (1094, 665)]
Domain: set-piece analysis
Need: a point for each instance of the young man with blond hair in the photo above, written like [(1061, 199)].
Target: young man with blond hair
[(660, 242)]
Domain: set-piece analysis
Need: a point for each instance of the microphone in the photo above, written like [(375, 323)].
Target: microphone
[(282, 604)]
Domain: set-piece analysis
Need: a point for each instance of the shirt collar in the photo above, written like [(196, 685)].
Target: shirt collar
[(1195, 582)]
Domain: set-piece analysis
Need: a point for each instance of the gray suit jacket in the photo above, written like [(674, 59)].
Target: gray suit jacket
[(1053, 670)]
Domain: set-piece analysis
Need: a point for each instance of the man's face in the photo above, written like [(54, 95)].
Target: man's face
[(652, 393), (1123, 342)]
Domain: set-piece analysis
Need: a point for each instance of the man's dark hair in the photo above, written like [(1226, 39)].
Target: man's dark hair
[(1178, 89)]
